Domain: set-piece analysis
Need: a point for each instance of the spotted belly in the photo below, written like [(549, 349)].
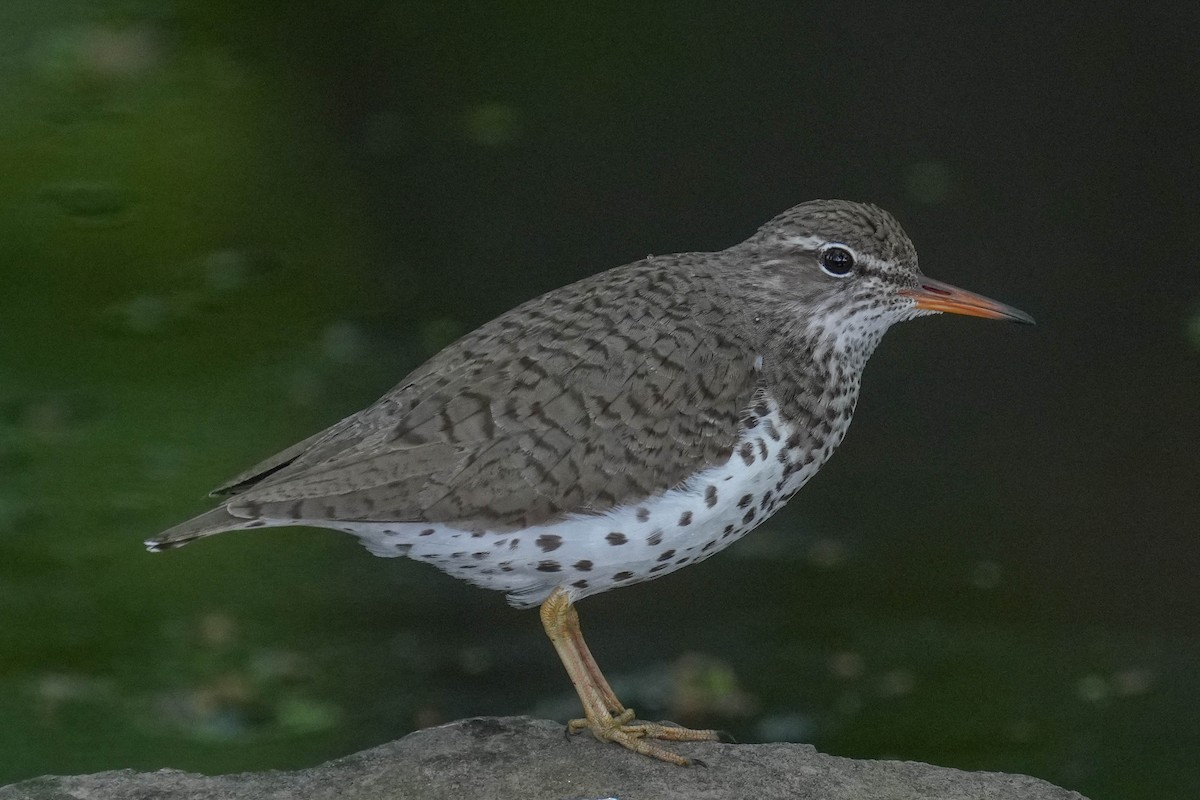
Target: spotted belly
[(591, 553)]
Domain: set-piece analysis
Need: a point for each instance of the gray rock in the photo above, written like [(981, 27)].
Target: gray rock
[(519, 757)]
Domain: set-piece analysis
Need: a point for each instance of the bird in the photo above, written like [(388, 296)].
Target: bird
[(614, 430)]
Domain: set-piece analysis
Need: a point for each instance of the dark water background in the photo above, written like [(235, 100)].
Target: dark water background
[(223, 227)]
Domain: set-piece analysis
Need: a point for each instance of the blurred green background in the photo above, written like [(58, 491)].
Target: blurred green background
[(225, 225)]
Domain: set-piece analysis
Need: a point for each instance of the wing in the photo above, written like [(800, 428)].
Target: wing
[(598, 394)]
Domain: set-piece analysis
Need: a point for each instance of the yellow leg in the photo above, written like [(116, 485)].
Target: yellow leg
[(604, 715)]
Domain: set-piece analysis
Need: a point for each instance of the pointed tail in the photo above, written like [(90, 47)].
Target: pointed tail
[(216, 521)]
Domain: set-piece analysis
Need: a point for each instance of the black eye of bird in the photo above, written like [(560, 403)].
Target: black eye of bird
[(837, 261)]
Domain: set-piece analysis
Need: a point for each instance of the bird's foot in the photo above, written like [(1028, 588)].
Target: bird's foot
[(605, 716), (640, 737)]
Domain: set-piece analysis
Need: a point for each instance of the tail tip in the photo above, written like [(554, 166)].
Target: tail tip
[(160, 545)]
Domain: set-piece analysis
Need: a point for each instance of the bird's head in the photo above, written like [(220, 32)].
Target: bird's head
[(849, 272)]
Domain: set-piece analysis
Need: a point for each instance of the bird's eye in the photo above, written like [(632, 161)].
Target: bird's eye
[(836, 261)]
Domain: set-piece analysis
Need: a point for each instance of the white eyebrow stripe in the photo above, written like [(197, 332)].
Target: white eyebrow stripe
[(807, 242), (816, 243)]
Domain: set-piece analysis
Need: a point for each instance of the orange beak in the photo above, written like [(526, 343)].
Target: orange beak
[(934, 295)]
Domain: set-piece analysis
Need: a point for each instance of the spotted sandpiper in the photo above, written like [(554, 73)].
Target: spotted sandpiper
[(614, 430)]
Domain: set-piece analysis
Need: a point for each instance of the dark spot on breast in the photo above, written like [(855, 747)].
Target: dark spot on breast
[(762, 409), (751, 423), (666, 556), (548, 566), (746, 520), (747, 453), (746, 500), (643, 514), (580, 584), (622, 576), (710, 496), (685, 519), (763, 452), (615, 538), (708, 546), (513, 544), (772, 431), (658, 568), (480, 556), (506, 566), (427, 532), (548, 542), (794, 440), (583, 566), (459, 554), (683, 560), (655, 538)]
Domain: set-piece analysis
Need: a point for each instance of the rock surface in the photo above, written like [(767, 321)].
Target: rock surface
[(518, 757)]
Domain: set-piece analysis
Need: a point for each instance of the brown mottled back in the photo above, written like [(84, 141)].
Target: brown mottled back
[(527, 418)]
